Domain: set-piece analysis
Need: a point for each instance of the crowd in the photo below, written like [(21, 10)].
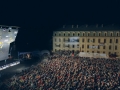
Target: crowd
[(68, 73)]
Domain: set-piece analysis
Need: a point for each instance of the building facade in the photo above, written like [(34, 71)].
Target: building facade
[(7, 35), (90, 39)]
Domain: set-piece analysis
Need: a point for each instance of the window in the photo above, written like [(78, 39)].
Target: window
[(55, 50), (103, 47), (87, 51), (98, 51), (83, 34), (55, 39), (83, 40), (88, 40), (110, 34), (99, 34), (109, 53), (82, 46), (87, 46), (105, 34), (104, 40), (103, 51), (92, 51), (115, 47), (64, 34), (117, 34), (63, 39), (98, 47), (73, 46), (93, 40), (93, 34), (82, 50), (98, 40), (110, 40), (77, 45), (109, 47), (73, 34), (59, 40), (59, 34), (78, 34), (88, 34), (55, 34), (68, 34), (116, 40)]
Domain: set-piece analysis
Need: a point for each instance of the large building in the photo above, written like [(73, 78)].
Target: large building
[(7, 35), (96, 39)]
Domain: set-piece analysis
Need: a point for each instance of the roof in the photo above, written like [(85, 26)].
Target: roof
[(4, 26), (90, 28)]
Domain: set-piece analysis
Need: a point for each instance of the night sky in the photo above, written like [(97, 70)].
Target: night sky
[(38, 19)]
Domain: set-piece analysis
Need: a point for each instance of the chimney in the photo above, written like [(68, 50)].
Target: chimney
[(102, 25), (86, 25), (63, 26), (77, 26), (96, 25), (72, 26)]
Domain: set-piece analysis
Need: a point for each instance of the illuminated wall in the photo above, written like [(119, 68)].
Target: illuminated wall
[(7, 35)]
